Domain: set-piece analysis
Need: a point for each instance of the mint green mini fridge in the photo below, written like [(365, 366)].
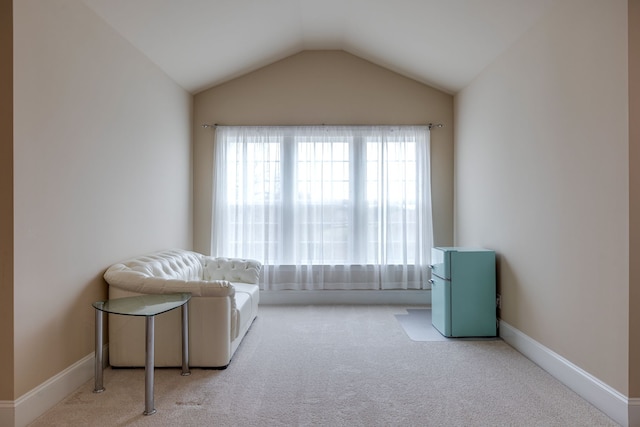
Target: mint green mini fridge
[(463, 292)]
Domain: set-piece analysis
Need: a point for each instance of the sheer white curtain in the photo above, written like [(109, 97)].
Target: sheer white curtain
[(325, 207)]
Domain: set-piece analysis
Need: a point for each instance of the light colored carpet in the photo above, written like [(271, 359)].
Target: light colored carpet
[(338, 366)]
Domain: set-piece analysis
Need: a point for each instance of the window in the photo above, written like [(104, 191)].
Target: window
[(311, 201)]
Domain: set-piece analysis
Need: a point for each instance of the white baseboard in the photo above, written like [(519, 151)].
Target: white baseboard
[(393, 297), (613, 403), (31, 405)]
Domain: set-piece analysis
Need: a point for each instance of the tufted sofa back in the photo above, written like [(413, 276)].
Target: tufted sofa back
[(232, 269), (169, 264)]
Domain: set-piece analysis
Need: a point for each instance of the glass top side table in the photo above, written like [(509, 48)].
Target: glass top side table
[(148, 306)]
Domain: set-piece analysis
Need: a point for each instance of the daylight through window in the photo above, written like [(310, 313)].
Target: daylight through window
[(311, 201)]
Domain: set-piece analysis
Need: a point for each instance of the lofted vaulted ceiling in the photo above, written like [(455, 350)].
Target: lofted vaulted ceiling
[(202, 43)]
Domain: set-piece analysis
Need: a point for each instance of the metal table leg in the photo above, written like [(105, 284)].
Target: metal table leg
[(98, 387), (185, 340), (149, 408), (116, 307)]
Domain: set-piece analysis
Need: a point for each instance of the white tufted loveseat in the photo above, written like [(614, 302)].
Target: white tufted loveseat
[(224, 303)]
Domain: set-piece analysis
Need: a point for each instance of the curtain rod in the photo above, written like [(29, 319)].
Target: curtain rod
[(429, 125)]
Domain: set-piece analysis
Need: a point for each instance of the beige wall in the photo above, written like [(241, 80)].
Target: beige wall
[(331, 87), (6, 200), (102, 167), (634, 197), (542, 177)]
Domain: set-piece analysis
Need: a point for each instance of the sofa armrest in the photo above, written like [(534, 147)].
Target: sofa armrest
[(232, 269), (122, 277)]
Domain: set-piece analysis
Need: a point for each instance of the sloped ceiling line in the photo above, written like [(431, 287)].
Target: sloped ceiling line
[(203, 43)]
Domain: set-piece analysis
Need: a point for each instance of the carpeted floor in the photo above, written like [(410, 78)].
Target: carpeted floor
[(339, 366)]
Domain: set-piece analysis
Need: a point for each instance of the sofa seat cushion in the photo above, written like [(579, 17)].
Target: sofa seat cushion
[(253, 291), (244, 312)]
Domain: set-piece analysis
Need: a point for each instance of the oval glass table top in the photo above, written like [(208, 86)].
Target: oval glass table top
[(143, 305)]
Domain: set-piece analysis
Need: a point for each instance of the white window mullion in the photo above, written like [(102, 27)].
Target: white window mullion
[(242, 210), (358, 198), (288, 164)]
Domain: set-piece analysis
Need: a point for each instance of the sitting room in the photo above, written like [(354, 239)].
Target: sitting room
[(113, 118)]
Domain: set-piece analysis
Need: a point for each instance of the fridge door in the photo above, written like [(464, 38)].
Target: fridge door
[(441, 305), (473, 294), (440, 264)]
